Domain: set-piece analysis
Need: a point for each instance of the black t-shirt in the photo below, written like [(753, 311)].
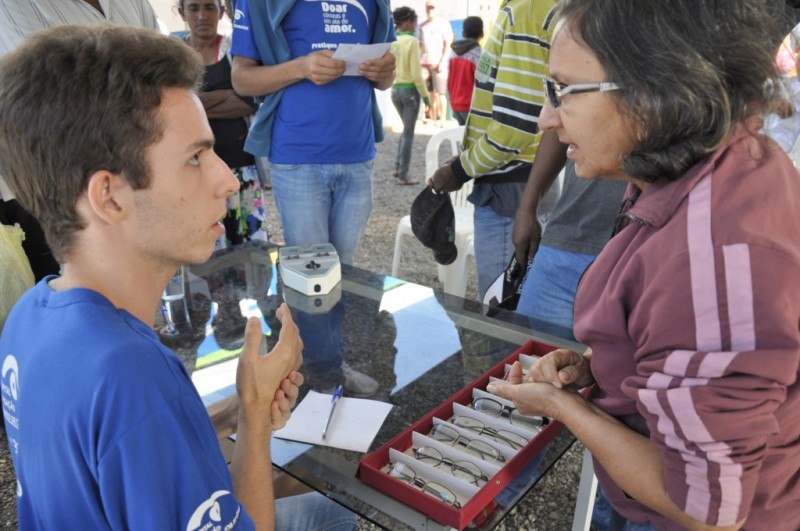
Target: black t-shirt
[(230, 133)]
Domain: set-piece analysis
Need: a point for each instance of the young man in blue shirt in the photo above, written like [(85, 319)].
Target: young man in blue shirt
[(104, 140)]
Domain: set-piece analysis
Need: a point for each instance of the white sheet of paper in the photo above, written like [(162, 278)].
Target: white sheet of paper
[(355, 54), (354, 425)]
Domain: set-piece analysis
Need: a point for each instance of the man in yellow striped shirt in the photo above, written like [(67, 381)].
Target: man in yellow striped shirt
[(502, 132)]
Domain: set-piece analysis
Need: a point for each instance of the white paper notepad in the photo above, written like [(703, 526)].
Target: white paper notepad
[(354, 425)]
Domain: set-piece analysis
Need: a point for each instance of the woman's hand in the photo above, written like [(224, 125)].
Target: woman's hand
[(563, 368), (537, 399), (544, 389)]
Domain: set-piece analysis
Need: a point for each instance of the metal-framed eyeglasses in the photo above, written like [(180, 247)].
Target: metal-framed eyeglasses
[(480, 449), (509, 438), (555, 90), (407, 474), (461, 469), (493, 408)]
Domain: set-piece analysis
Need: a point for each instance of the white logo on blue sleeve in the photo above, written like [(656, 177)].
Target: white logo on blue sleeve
[(210, 514), (9, 389), (11, 369)]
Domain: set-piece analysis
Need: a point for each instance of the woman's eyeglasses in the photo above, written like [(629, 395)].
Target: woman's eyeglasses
[(406, 474), (460, 469), (485, 451), (555, 90), (493, 408), (506, 437)]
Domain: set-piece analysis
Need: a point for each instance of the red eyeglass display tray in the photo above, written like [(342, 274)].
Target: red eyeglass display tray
[(372, 468)]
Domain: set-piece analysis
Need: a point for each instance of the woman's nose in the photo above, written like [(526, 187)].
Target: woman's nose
[(549, 118)]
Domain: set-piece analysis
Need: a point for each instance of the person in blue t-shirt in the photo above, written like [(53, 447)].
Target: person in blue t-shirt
[(318, 128), (105, 427)]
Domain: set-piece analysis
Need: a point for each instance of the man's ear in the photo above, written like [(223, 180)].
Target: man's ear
[(109, 196)]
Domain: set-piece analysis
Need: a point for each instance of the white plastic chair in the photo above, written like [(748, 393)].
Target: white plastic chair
[(587, 489), (453, 276)]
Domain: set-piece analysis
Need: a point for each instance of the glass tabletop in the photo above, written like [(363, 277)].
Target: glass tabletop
[(419, 344)]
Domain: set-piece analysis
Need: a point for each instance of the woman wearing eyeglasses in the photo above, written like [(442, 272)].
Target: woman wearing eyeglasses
[(691, 311)]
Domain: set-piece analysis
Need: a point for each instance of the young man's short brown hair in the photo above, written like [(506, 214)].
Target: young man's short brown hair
[(78, 99)]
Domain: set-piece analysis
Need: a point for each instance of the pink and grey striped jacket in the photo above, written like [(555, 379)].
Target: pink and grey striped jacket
[(693, 314)]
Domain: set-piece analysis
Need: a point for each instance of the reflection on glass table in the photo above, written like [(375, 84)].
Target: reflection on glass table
[(420, 345)]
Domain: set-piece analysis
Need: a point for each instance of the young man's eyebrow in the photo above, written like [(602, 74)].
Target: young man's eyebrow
[(206, 143)]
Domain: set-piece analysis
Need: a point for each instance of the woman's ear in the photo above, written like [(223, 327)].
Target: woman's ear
[(108, 195)]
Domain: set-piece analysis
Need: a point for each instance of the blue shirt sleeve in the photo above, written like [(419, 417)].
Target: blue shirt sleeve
[(243, 42)]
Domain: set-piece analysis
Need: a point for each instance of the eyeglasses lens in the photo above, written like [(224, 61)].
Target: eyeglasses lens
[(407, 474), (461, 469), (484, 451), (496, 409), (443, 433), (551, 91)]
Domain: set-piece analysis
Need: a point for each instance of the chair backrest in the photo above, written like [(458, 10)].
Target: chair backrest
[(459, 197), (453, 136)]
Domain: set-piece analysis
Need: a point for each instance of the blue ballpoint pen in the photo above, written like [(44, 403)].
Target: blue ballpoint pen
[(334, 400)]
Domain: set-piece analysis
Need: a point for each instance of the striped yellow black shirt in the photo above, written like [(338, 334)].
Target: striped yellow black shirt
[(502, 130)]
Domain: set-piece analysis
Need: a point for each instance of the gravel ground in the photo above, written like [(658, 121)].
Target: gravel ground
[(391, 202)]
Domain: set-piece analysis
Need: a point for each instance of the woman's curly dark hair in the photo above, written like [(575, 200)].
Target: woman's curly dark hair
[(689, 71)]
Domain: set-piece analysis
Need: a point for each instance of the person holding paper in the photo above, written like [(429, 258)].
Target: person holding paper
[(318, 129)]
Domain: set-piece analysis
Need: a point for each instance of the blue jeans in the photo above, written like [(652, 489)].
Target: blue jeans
[(493, 245), (323, 346), (522, 481), (601, 514), (620, 523), (406, 101), (549, 289), (324, 203), (312, 511)]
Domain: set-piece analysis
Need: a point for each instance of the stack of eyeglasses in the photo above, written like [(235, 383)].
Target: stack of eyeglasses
[(464, 453), (461, 469), (407, 474), (497, 409), (509, 438), (476, 447)]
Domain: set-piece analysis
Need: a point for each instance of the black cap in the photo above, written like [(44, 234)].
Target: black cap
[(433, 222)]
